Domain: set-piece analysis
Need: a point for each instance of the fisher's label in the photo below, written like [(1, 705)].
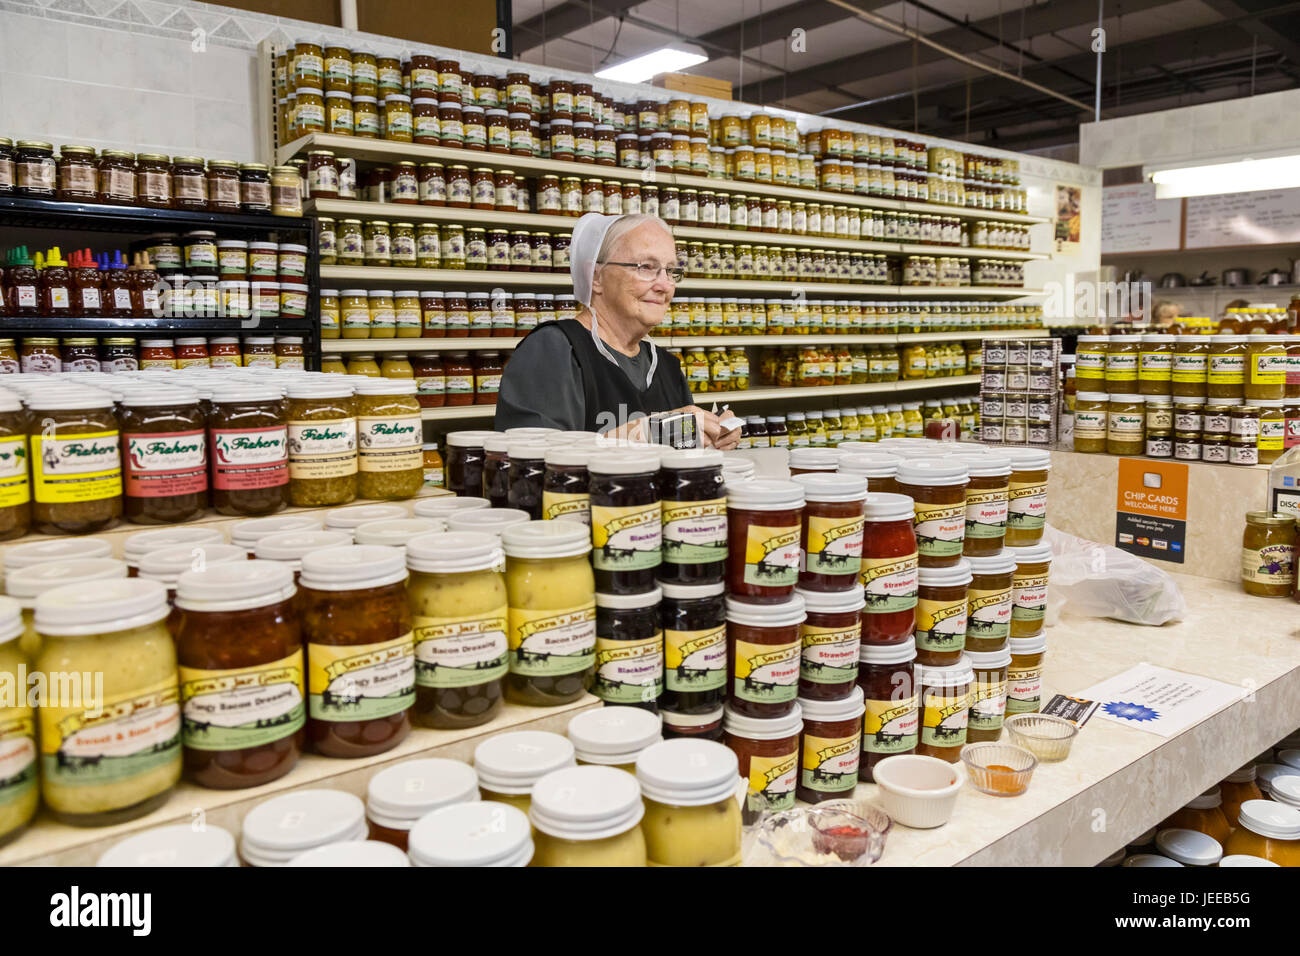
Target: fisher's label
[(830, 764), (986, 512), (74, 468), (989, 614), (890, 583), (166, 464), (772, 555), (834, 545), (557, 504), (695, 660), (17, 754), (766, 673), (242, 706), (695, 532), (940, 529), (772, 782), (626, 538), (988, 704), (945, 719), (14, 489), (940, 625), (389, 443), (323, 449), (552, 643), (890, 726), (629, 672), (1027, 505), (131, 734), (244, 459), (461, 651), (830, 654), (361, 681)]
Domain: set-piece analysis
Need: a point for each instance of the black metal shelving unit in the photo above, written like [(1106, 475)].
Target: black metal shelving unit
[(77, 217)]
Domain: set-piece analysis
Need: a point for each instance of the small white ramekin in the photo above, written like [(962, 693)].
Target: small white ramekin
[(918, 792)]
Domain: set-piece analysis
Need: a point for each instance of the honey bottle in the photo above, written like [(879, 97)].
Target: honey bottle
[(55, 284)]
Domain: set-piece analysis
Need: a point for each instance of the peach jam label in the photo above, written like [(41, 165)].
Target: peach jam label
[(890, 583), (890, 726), (989, 614), (461, 651), (944, 719), (129, 735), (695, 660), (940, 625), (242, 706), (834, 545), (552, 643), (940, 529), (772, 781), (766, 673), (557, 504), (772, 555), (349, 682), (830, 764)]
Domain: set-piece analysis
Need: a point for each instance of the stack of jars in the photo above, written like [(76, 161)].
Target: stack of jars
[(441, 378), (832, 427), (813, 365), (449, 246), (432, 313), (46, 356), (700, 315)]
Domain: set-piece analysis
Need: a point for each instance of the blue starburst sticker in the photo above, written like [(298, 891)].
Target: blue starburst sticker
[(1129, 711)]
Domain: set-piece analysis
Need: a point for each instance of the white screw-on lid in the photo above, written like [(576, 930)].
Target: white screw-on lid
[(168, 564), (526, 449), (691, 592), (925, 472), (1149, 859), (989, 660), (470, 438), (1003, 562), (625, 462), (1266, 773), (100, 607), (546, 539), (177, 845), (511, 763), (11, 620), (684, 459), (1244, 859), (899, 653), (352, 853), (1242, 775), (454, 552), (26, 584), (247, 533), (763, 494), (586, 803), (1189, 847), (472, 834), (278, 829), (571, 454), (1031, 459), (827, 458), (1208, 800), (850, 708), (885, 506), (763, 728), (57, 549), (1031, 554), (869, 464), (246, 391), (952, 675), (687, 772), (493, 521), (326, 386), (1270, 819), (353, 567), (832, 486), (1286, 789), (234, 586), (290, 546), (627, 602), (613, 735), (688, 722), (981, 465), (444, 505), (833, 602), (399, 795), (350, 518), (396, 532), (1289, 757), (1027, 645), (534, 432), (496, 442), (784, 614)]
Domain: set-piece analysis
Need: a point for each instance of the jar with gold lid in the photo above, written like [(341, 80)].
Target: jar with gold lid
[(1268, 554)]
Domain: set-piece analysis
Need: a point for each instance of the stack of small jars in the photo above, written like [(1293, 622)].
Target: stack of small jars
[(44, 356)]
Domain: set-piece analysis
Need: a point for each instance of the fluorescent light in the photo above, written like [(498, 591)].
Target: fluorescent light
[(1278, 172), (641, 68)]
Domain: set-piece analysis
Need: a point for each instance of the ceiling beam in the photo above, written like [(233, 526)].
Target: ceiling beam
[(803, 15), (1251, 16), (565, 18)]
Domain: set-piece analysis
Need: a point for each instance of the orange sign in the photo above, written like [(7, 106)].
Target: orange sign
[(1154, 488)]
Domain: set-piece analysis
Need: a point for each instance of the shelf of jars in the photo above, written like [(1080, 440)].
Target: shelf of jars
[(49, 843), (380, 150)]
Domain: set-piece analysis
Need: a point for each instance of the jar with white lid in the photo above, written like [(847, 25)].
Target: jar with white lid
[(1027, 496), (90, 774), (508, 765), (626, 519), (390, 433), (764, 524), (944, 708), (28, 553), (246, 534), (351, 855), (830, 748), (831, 535), (1267, 829), (1189, 847), (354, 608), (443, 506), (831, 635), (347, 520), (988, 702), (248, 435), (767, 751), (614, 736), (989, 601), (472, 834), (26, 584), (398, 796), (459, 612), (137, 545), (75, 458), (19, 790), (166, 565), (629, 650), (552, 615), (764, 647), (937, 488), (586, 817), (1025, 677), (279, 829), (493, 521), (941, 613), (177, 845), (395, 532), (692, 816)]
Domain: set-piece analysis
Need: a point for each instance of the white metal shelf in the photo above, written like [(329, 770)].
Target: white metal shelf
[(964, 336), (416, 344), (462, 411)]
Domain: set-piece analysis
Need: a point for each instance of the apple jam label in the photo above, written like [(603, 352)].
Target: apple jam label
[(389, 443), (1024, 690), (890, 726), (940, 529), (244, 459), (629, 672), (695, 532), (834, 545), (552, 643), (766, 673), (14, 489), (940, 625), (243, 706), (17, 754), (461, 651), (1027, 507), (324, 449), (830, 654), (1029, 597), (695, 660), (772, 782), (361, 681), (830, 764), (129, 735), (944, 719), (890, 583), (772, 555), (556, 504), (75, 468), (989, 614), (986, 510), (162, 465), (988, 704)]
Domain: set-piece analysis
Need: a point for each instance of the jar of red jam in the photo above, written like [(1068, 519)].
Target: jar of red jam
[(767, 750), (937, 488), (941, 614), (831, 635), (706, 726), (878, 467), (192, 352), (988, 622), (764, 525), (830, 747), (889, 569), (831, 535), (891, 723), (944, 705), (805, 461), (763, 653)]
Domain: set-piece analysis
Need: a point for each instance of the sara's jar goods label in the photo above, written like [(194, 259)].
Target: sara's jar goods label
[(629, 672), (74, 468), (766, 673), (552, 643), (830, 654), (557, 504), (323, 449), (1029, 597), (243, 706), (940, 624), (461, 651), (834, 545), (891, 726), (389, 443), (945, 717), (988, 704), (694, 532), (830, 764), (986, 510), (167, 464), (695, 660), (891, 583), (352, 682), (1027, 502), (626, 538), (988, 614), (244, 459), (940, 529), (1024, 690), (772, 555), (17, 754), (772, 781), (127, 736)]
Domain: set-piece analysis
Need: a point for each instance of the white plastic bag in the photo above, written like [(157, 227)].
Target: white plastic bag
[(1097, 580)]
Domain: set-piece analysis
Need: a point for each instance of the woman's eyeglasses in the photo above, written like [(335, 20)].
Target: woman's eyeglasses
[(649, 271)]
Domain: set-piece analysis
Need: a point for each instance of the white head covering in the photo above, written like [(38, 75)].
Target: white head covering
[(584, 249)]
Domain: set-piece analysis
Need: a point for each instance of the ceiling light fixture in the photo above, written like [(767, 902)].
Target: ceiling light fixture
[(641, 68), (1246, 175)]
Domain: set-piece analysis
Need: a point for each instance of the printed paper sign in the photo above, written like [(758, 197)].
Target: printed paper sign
[(1159, 700)]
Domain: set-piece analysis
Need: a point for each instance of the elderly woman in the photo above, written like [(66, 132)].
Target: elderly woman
[(600, 373)]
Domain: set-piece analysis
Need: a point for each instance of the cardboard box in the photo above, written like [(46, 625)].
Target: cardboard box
[(694, 85)]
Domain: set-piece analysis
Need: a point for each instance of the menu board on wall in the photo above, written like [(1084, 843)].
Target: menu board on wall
[(1134, 220), (1243, 219)]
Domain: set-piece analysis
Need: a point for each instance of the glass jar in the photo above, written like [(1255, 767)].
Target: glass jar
[(524, 468), (552, 612), (988, 703), (691, 815), (400, 796), (941, 614), (1268, 557), (629, 650), (239, 650), (1125, 418), (763, 654), (694, 517), (1027, 502), (1155, 365), (117, 182), (1189, 366), (695, 648), (165, 465), (114, 628), (1122, 355), (354, 608), (1268, 830), (989, 602), (830, 747), (153, 180), (75, 460), (831, 636), (15, 487), (891, 721), (1029, 589), (587, 816), (389, 437), (938, 491), (832, 521), (1090, 362), (254, 187), (987, 495), (1025, 674), (78, 174), (626, 522), (764, 523), (944, 707), (248, 436), (1226, 378), (767, 750), (322, 435), (889, 569), (1266, 373)]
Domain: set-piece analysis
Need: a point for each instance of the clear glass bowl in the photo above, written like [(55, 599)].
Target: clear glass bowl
[(836, 833), (1046, 737), (1000, 770)]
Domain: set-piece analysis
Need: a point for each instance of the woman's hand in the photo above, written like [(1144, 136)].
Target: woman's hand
[(712, 434)]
